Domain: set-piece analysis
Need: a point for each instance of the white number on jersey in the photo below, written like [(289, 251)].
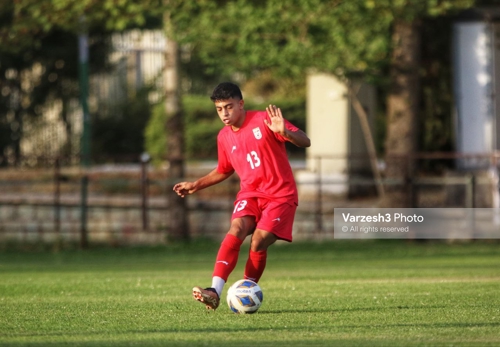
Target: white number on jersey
[(253, 159)]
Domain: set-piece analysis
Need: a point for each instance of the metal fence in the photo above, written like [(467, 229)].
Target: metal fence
[(128, 203)]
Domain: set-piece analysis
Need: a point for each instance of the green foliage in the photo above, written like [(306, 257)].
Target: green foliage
[(202, 126), (38, 75), (339, 37), (154, 135), (289, 38), (28, 21), (122, 134), (325, 35), (201, 138), (315, 294), (437, 95), (310, 34)]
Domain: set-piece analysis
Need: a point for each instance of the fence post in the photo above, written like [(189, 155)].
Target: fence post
[(57, 197), (319, 198), (410, 183), (84, 242), (471, 191), (83, 78), (144, 190)]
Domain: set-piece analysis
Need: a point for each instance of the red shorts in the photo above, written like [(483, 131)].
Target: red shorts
[(271, 216)]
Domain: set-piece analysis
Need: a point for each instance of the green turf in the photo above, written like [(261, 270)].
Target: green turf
[(342, 293)]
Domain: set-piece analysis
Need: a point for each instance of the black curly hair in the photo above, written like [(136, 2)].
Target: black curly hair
[(225, 91)]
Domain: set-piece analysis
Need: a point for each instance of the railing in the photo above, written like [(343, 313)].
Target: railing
[(470, 166), (64, 196)]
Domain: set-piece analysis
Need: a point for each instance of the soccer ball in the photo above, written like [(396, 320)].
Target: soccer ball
[(244, 296)]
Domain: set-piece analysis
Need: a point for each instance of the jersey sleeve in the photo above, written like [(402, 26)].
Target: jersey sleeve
[(290, 127), (223, 163)]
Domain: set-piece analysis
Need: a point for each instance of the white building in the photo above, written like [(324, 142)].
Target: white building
[(338, 152), (476, 65)]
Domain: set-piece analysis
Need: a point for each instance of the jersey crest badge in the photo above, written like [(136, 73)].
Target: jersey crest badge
[(257, 133)]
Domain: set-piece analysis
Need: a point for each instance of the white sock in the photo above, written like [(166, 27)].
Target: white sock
[(218, 284)]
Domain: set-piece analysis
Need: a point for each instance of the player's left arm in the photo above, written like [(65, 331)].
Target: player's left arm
[(277, 125)]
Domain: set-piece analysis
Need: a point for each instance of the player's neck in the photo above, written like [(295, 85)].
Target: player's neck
[(237, 126)]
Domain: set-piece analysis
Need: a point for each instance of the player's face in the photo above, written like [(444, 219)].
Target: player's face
[(231, 111)]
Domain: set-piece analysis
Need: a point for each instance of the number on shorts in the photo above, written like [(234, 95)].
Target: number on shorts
[(240, 205)]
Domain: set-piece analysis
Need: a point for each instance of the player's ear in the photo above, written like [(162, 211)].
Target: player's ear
[(242, 103)]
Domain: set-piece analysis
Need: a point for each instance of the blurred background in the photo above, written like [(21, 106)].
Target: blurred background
[(104, 106)]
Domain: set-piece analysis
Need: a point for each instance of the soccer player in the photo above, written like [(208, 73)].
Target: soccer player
[(252, 143)]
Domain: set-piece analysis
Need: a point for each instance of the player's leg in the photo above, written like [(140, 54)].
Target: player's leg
[(276, 223), (257, 256), (227, 258)]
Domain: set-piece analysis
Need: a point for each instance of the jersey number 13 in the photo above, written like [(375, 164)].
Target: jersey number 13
[(253, 159)]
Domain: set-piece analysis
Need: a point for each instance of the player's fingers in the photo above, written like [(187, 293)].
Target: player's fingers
[(268, 110), (276, 110), (272, 110), (179, 188)]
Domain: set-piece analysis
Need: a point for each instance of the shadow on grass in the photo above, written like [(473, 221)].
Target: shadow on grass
[(354, 309), (243, 336), (228, 329)]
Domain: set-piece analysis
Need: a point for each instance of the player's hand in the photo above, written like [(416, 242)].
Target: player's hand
[(184, 188), (277, 124)]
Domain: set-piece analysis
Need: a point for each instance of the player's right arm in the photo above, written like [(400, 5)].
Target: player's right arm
[(185, 188)]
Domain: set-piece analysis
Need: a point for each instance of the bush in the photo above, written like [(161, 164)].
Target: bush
[(154, 135), (202, 125), (120, 135)]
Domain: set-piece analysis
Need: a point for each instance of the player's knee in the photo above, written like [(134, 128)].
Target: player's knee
[(258, 245), (242, 227), (261, 240), (238, 232)]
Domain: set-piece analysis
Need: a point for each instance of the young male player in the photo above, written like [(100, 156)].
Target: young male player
[(252, 143)]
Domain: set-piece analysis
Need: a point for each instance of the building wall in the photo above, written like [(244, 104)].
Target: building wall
[(338, 150), (123, 225), (327, 123)]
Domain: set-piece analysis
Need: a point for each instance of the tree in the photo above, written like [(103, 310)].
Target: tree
[(174, 126), (347, 38), (402, 109), (403, 97), (32, 20), (38, 46)]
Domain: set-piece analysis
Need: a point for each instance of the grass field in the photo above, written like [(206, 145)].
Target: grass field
[(342, 293)]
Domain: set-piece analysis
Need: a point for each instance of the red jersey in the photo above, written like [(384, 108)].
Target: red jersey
[(259, 157)]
